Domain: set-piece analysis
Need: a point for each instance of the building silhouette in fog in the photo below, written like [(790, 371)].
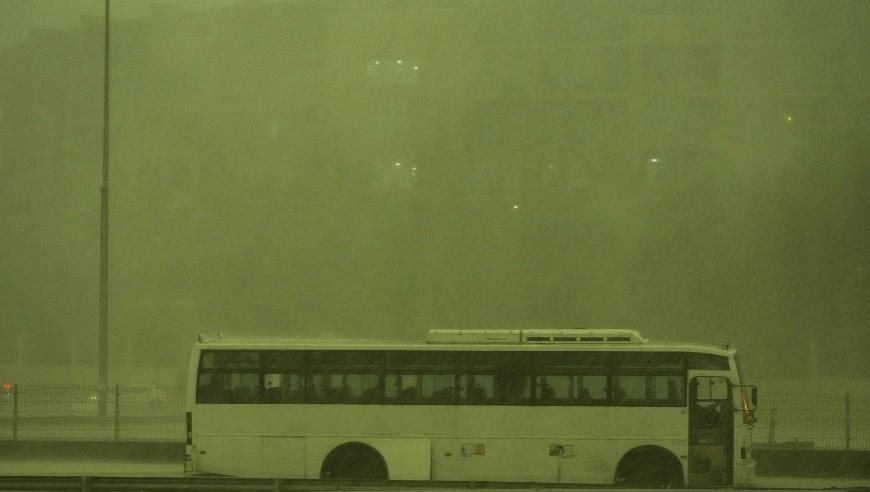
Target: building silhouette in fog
[(301, 167)]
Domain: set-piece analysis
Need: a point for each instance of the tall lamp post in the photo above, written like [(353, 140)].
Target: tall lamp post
[(103, 335)]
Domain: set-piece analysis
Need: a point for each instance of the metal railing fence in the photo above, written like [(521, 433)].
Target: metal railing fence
[(135, 413), (813, 420), (116, 413)]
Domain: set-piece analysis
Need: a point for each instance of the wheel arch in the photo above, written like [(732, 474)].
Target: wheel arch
[(354, 460), (649, 458)]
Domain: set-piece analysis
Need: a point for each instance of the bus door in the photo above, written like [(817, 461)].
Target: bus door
[(711, 430)]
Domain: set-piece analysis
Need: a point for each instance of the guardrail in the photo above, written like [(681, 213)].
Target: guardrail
[(157, 413)]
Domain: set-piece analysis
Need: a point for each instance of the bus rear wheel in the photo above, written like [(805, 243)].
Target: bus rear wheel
[(650, 467), (354, 461)]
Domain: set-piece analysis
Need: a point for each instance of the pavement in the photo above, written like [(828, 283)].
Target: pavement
[(809, 483), (114, 468)]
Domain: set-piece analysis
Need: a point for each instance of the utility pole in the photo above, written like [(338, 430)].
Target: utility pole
[(103, 336)]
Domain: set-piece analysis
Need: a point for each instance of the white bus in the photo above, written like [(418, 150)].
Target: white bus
[(573, 406)]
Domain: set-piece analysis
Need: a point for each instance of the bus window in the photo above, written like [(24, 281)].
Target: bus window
[(244, 387), (590, 388), (273, 390), (438, 388), (229, 359), (476, 389), (709, 409), (710, 388), (283, 388), (707, 362), (514, 389), (570, 361), (213, 388), (628, 389), (420, 377), (667, 390), (649, 361), (282, 361), (363, 388), (402, 388), (344, 376), (326, 388), (552, 390), (335, 389)]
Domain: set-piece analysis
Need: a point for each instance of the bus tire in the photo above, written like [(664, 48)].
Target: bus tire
[(650, 467), (354, 461)]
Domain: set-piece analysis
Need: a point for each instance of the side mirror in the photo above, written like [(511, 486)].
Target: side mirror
[(754, 397)]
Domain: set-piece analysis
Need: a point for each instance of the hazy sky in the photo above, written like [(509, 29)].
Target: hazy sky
[(695, 170), (18, 17)]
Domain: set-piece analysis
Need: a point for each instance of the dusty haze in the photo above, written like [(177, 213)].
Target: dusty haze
[(694, 170)]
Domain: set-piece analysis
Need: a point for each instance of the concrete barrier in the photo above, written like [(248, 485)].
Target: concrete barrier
[(808, 462), (137, 451)]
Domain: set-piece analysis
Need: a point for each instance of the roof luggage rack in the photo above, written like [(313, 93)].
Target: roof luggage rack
[(550, 336)]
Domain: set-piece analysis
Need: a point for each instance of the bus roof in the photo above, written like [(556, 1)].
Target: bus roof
[(478, 340)]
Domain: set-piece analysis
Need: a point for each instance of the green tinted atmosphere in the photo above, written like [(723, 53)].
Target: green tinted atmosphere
[(697, 171)]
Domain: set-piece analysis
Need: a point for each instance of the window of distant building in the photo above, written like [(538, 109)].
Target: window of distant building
[(392, 71)]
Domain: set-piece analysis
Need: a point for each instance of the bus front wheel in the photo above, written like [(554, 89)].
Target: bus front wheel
[(354, 461), (650, 466)]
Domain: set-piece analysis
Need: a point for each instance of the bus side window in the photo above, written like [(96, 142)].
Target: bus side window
[(591, 389), (212, 388), (402, 388), (273, 390), (553, 390), (245, 387), (363, 388), (323, 388), (438, 388), (476, 389), (628, 389), (294, 388), (514, 389), (667, 390), (334, 391), (283, 388)]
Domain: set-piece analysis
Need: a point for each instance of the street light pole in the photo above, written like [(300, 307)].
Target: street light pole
[(103, 335)]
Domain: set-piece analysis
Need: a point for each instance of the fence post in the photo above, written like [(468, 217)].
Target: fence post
[(848, 422), (15, 411), (117, 432), (771, 427)]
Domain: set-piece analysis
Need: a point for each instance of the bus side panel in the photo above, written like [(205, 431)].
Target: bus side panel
[(488, 458), (587, 461), (285, 457), (556, 460), (230, 455)]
